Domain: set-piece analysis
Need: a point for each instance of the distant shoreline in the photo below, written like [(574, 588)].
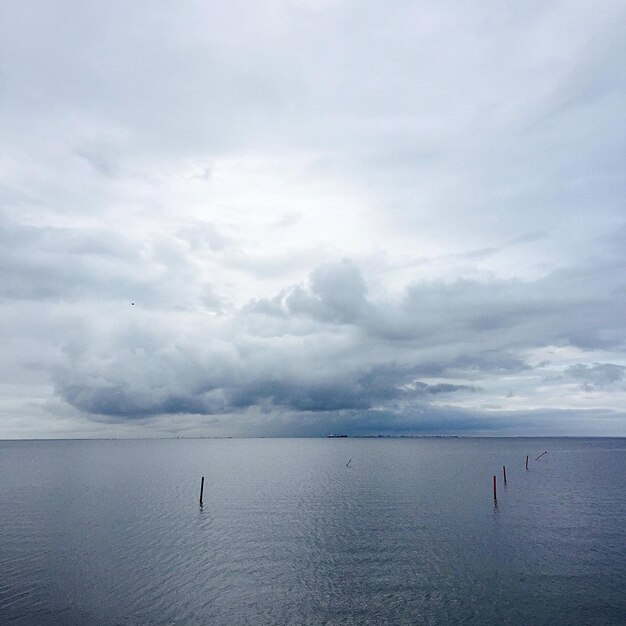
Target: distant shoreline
[(320, 437)]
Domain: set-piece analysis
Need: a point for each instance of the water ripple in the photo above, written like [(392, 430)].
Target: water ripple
[(111, 532)]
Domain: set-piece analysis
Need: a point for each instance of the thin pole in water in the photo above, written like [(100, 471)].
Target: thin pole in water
[(504, 472), (348, 463), (526, 461), (201, 489), (546, 452), (495, 495)]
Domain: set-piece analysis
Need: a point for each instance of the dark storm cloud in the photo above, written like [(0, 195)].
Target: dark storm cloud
[(194, 381), (419, 419), (427, 419), (339, 360), (120, 402), (443, 388)]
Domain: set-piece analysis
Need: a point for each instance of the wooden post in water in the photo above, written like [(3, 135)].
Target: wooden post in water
[(504, 472), (546, 452), (495, 496), (526, 461), (201, 489), (348, 463)]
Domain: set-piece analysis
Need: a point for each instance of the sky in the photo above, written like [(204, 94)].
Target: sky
[(297, 217)]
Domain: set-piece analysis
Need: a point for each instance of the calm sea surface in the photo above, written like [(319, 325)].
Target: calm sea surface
[(110, 532)]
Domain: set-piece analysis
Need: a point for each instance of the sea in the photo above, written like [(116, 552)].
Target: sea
[(313, 531)]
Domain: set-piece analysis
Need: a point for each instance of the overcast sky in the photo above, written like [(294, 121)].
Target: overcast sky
[(295, 217)]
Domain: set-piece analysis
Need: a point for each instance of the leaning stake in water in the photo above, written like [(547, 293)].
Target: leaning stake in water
[(495, 497), (201, 489), (504, 472), (546, 452), (348, 463)]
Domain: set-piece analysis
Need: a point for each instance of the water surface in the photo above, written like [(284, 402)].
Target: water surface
[(110, 532)]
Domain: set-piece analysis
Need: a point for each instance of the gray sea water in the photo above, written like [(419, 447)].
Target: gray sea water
[(111, 532)]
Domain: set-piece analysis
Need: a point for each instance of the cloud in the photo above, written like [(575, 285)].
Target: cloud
[(337, 294), (597, 376), (380, 217), (443, 388), (44, 263), (317, 349)]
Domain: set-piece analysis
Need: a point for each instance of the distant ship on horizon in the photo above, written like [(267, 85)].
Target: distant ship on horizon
[(333, 436)]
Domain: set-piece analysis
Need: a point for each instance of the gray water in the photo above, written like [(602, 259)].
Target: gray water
[(110, 532)]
